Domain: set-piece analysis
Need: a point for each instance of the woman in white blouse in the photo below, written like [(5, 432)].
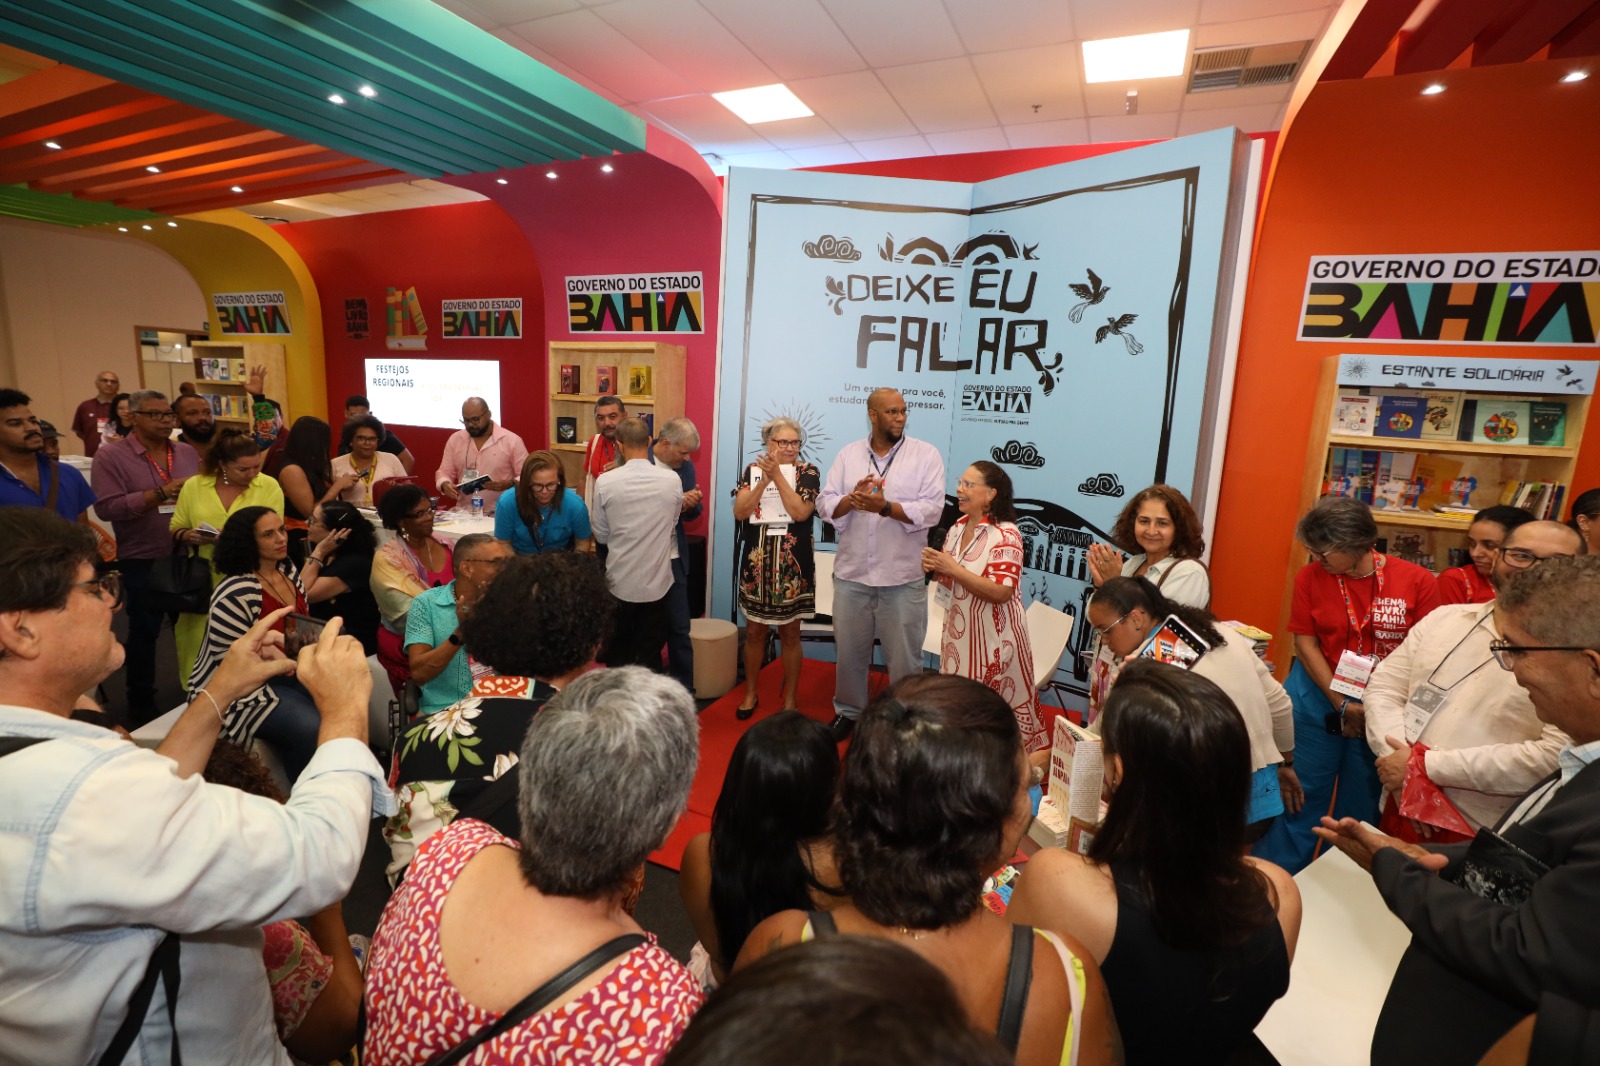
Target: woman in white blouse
[(1161, 534)]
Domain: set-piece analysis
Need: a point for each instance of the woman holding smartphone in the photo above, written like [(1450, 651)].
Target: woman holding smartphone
[(257, 578), (338, 570)]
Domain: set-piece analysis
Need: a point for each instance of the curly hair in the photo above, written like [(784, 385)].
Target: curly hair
[(542, 616), (1188, 541), (239, 767), (236, 551), (928, 787), (337, 515), (1003, 508), (398, 502)]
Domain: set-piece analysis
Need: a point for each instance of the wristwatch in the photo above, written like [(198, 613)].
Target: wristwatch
[(886, 508), (455, 638)]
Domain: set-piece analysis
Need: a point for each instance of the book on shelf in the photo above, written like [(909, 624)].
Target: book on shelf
[(605, 380), (1542, 499), (640, 380), (566, 429), (1499, 421), (1401, 416), (1394, 488), (1353, 415), (569, 379), (1547, 423), (1443, 416), (1437, 473)]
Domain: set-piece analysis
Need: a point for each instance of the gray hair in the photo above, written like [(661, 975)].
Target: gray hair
[(681, 431), (472, 541), (137, 398), (604, 774), (1338, 523), (1557, 601), (772, 425)]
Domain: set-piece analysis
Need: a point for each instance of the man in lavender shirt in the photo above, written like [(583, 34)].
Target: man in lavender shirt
[(136, 482), (882, 495)]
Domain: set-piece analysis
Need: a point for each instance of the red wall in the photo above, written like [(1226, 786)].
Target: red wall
[(454, 252)]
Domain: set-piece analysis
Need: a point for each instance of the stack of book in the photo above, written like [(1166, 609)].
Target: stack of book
[(1260, 640), (1542, 499)]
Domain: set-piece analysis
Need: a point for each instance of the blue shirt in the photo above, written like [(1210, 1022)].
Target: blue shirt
[(558, 529), (431, 619), (685, 474), (75, 498)]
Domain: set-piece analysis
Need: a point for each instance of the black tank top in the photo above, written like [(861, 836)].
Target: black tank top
[(1192, 1006)]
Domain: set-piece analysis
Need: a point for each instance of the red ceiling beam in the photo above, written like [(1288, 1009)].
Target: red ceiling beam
[(1519, 33), (133, 186), (1447, 31), (204, 150), (1368, 38), (66, 120), (239, 171), (44, 87), (371, 174), (1581, 37), (68, 165)]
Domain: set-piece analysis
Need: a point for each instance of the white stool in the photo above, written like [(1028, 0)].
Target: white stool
[(716, 656)]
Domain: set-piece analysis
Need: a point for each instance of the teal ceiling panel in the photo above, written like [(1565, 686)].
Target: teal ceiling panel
[(17, 201)]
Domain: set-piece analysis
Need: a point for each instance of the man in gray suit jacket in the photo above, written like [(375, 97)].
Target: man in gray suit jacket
[(1475, 966)]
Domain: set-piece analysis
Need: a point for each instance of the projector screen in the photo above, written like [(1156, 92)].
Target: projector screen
[(430, 392)]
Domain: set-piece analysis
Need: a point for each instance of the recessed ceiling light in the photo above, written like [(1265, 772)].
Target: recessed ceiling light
[(764, 103), (1577, 75), (237, 188), (122, 229), (335, 98), (53, 146), (146, 226), (1145, 55), (502, 181), (174, 225), (606, 168), (1433, 90), (153, 169), (368, 91), (549, 173)]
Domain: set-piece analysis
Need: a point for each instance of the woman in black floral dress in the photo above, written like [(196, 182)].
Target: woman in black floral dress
[(777, 580)]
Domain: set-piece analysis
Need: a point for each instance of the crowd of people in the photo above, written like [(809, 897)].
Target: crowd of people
[(1460, 715)]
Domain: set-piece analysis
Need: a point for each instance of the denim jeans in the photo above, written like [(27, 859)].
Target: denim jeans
[(292, 727), (897, 615)]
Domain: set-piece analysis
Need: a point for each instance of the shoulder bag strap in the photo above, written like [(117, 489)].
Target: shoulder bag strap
[(163, 964), (11, 744), (1019, 978), (540, 998), (55, 486), (822, 924), (1165, 573)]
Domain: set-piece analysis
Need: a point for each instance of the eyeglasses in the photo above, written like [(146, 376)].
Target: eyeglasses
[(420, 512), (474, 420), (105, 586), (485, 562), (545, 486), (970, 485), (1103, 630), (363, 440), (789, 442), (1505, 653), (159, 416), (1522, 558)]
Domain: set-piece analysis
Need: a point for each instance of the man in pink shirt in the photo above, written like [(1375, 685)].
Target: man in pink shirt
[(481, 447)]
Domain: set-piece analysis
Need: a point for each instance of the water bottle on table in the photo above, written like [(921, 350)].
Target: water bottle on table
[(477, 505)]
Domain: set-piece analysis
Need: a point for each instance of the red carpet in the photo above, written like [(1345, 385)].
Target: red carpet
[(720, 731)]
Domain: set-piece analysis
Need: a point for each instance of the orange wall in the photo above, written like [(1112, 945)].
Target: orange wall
[(1504, 160)]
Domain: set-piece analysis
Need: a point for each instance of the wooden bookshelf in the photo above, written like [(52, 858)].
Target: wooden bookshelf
[(241, 356), (1493, 465), (667, 363)]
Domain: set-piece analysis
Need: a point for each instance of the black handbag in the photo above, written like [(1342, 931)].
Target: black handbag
[(181, 582)]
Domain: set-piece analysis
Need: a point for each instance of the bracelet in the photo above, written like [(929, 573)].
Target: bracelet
[(214, 706), (1289, 762)]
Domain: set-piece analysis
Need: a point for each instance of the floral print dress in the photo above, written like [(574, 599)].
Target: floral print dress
[(450, 757), (777, 577)]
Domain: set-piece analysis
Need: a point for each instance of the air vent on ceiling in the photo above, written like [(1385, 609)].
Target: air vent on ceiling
[(1242, 68)]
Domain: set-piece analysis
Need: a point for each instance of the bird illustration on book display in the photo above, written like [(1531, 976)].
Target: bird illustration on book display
[(1090, 294), (1119, 327)]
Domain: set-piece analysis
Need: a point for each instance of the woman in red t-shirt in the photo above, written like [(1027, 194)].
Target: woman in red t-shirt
[(1351, 604), (1470, 583)]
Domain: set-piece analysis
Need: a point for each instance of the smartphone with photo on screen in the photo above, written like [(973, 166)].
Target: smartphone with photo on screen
[(1174, 643), (300, 630)]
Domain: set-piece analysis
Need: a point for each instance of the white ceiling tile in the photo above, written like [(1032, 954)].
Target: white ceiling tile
[(1304, 26), (802, 41), (523, 45), (1048, 134), (1249, 119), (1254, 96), (943, 95), (895, 32), (1239, 10), (857, 105), (510, 12), (894, 148), (1144, 127), (1015, 81), (765, 160), (789, 133), (702, 121), (583, 41), (1155, 94), (1094, 19), (985, 26), (687, 40), (989, 139), (825, 156)]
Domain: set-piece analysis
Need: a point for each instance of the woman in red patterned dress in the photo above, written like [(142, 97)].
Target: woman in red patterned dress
[(978, 575), (482, 920)]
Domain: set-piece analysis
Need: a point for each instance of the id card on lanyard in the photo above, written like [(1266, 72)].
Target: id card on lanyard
[(1425, 702), (163, 478), (971, 560), (1354, 669)]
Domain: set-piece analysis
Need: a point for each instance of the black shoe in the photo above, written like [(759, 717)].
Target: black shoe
[(742, 713), (841, 728)]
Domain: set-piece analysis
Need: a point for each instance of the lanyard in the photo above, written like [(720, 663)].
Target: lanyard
[(1487, 659), (872, 457), (979, 538), (1350, 610), (164, 475)]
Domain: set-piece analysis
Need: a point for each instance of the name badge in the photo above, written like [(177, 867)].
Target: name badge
[(943, 593), (167, 508), (1352, 674), (1421, 707)]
